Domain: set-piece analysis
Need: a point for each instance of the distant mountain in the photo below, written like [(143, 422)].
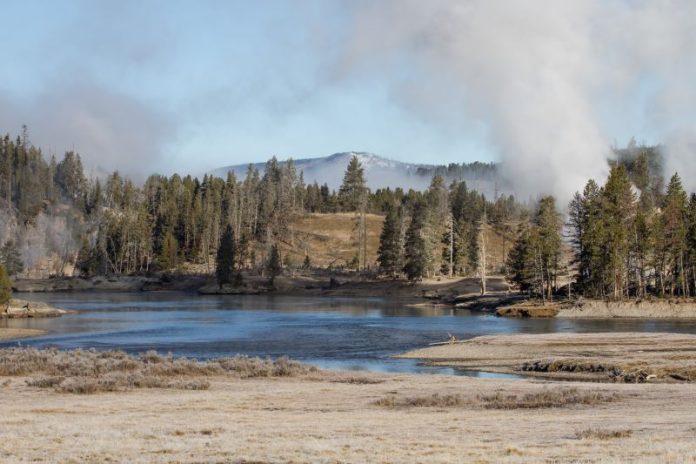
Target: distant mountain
[(382, 172)]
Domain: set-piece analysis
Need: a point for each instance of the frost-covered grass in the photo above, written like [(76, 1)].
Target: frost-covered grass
[(91, 371)]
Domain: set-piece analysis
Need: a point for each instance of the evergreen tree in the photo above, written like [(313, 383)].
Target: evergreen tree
[(274, 264), (169, 257), (353, 189), (389, 245), (10, 258), (415, 247), (520, 261), (673, 237), (226, 259), (546, 243), (5, 286), (70, 177), (691, 242), (618, 209)]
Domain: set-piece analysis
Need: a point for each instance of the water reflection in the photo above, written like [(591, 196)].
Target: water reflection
[(345, 333)]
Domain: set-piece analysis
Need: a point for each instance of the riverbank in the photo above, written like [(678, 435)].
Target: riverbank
[(599, 357), (320, 283), (598, 309), (648, 309), (10, 333), (20, 309), (326, 417)]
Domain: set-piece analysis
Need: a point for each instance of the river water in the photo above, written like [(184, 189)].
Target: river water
[(345, 333)]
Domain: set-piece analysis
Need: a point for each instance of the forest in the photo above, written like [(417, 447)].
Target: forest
[(630, 237)]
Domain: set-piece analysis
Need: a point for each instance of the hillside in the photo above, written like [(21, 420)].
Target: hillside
[(381, 172), (329, 239)]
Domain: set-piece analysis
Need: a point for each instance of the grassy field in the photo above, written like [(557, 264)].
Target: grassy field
[(607, 357), (330, 239), (266, 413)]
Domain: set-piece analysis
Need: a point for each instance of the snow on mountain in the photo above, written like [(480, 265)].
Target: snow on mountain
[(379, 172)]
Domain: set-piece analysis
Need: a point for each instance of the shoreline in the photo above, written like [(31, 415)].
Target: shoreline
[(8, 334), (631, 357), (457, 293)]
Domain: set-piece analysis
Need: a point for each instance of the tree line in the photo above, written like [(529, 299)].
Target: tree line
[(53, 211), (626, 238), (442, 231)]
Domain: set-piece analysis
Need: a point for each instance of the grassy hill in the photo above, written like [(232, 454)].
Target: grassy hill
[(331, 239)]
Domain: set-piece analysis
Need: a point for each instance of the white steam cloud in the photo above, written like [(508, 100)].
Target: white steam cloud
[(547, 78), (110, 131)]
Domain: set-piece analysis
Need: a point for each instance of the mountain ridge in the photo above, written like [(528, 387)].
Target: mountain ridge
[(382, 172)]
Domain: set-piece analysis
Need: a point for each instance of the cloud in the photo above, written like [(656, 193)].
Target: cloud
[(110, 131), (536, 74)]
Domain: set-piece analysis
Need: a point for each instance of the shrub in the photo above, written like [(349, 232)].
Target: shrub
[(5, 286), (91, 371)]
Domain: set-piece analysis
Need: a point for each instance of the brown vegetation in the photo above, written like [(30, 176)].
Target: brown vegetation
[(546, 398), (81, 371), (528, 309), (601, 434), (433, 401)]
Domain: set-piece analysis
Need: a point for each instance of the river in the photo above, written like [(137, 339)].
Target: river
[(345, 333)]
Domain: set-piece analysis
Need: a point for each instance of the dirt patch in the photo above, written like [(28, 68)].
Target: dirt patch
[(7, 333)]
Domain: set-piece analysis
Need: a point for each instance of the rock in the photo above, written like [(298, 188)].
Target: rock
[(527, 310), (431, 295)]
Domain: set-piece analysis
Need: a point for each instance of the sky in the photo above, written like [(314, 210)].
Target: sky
[(545, 87)]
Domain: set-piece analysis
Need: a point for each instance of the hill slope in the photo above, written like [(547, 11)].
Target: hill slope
[(382, 172)]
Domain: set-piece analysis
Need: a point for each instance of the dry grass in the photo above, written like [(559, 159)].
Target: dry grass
[(302, 420), (90, 371), (602, 434), (608, 357), (546, 398), (330, 238), (357, 380), (433, 401)]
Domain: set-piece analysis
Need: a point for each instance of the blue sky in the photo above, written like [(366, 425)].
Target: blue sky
[(543, 86), (223, 82)]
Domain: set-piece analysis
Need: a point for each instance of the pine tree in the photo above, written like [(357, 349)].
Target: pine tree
[(353, 189), (673, 239), (10, 258), (225, 263), (617, 211), (483, 252), (5, 286), (389, 245), (274, 264), (169, 257), (546, 242), (415, 247), (691, 242), (520, 261)]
